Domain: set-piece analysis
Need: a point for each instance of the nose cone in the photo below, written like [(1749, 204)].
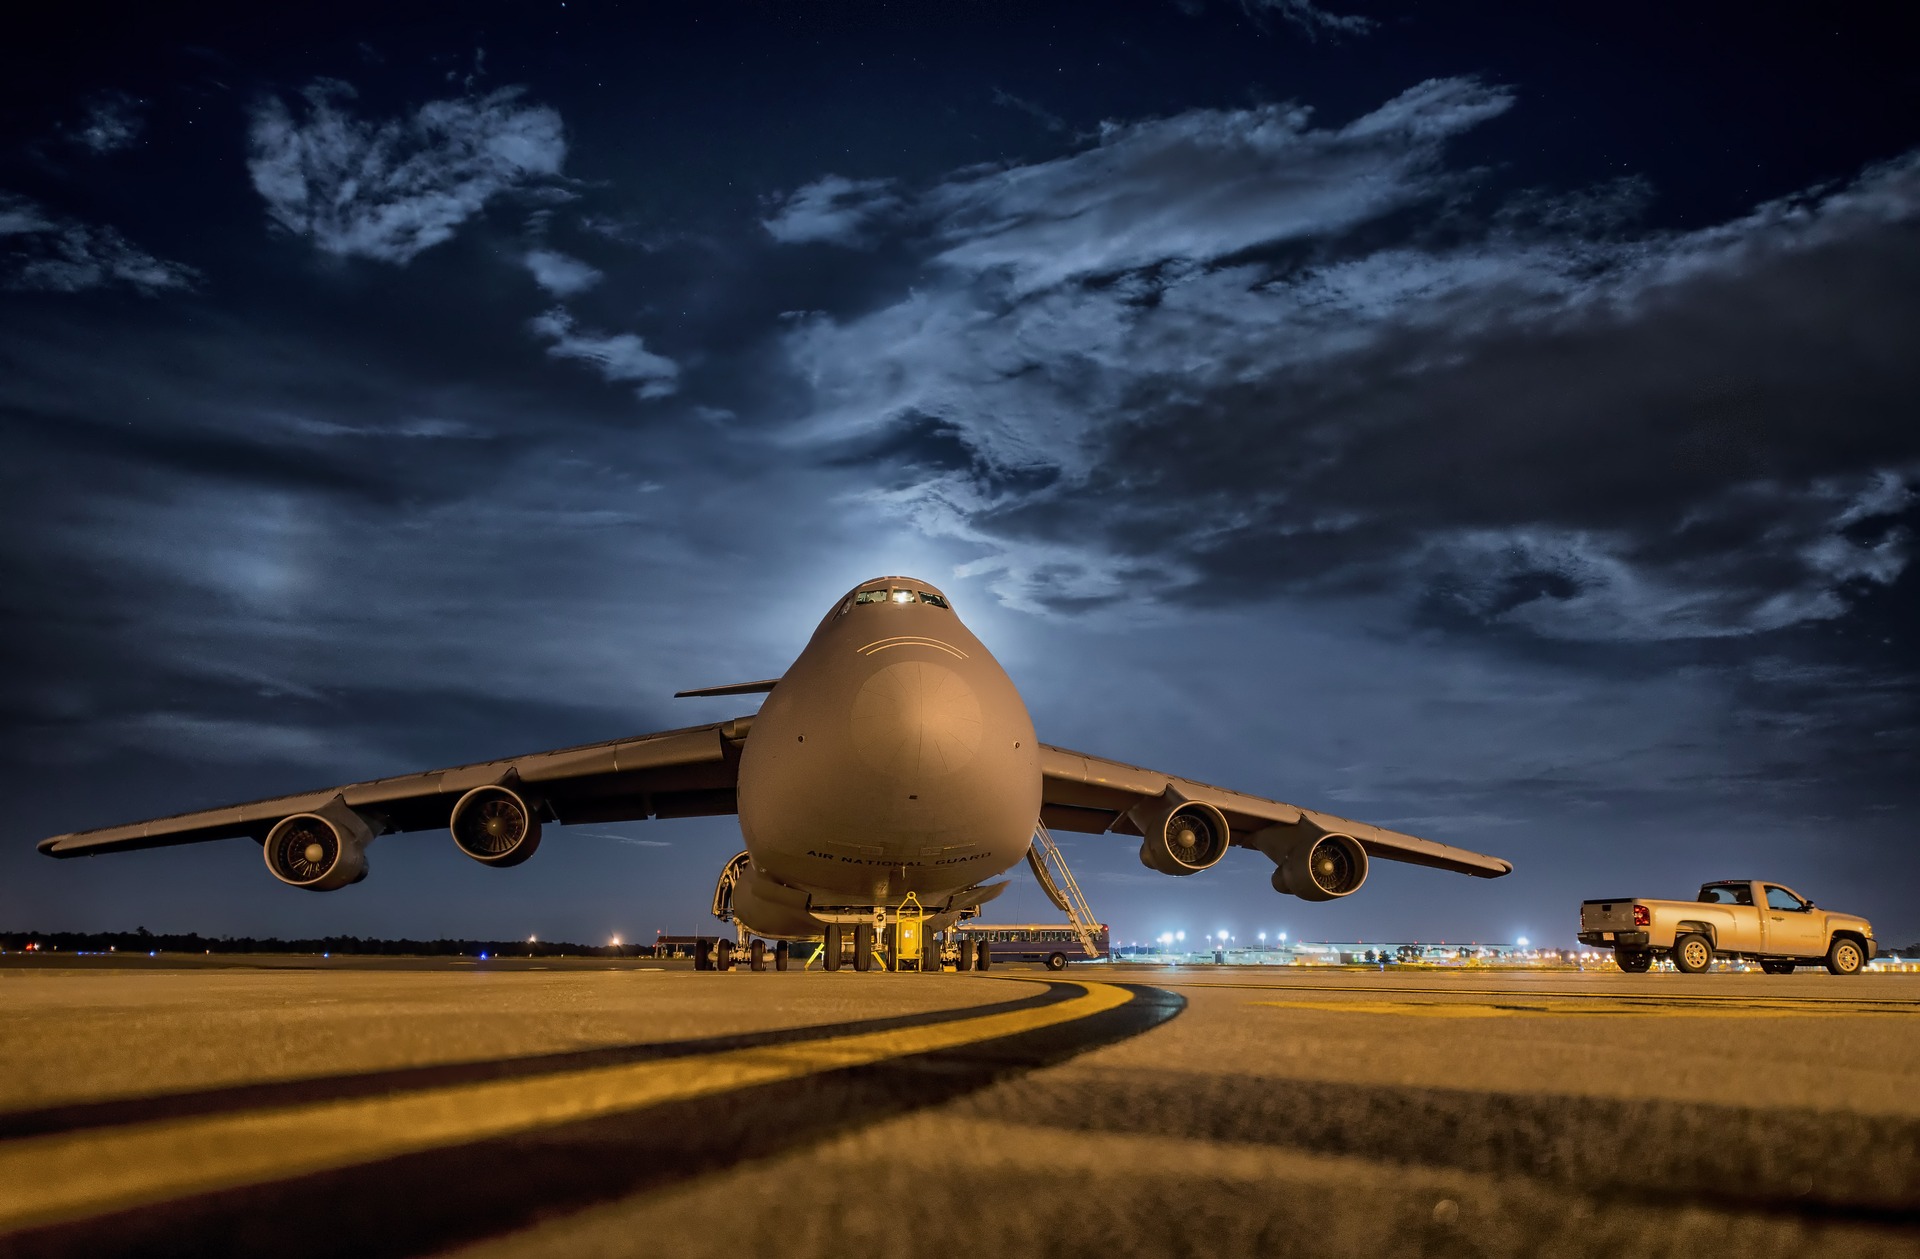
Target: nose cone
[(916, 721)]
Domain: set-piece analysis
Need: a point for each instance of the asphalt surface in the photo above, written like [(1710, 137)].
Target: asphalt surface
[(514, 1109)]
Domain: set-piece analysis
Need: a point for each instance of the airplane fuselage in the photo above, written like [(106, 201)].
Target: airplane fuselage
[(894, 756)]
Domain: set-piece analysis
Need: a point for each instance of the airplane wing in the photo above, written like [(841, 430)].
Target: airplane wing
[(1093, 795), (677, 773)]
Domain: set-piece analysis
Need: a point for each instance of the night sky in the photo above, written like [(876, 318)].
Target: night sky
[(1493, 422)]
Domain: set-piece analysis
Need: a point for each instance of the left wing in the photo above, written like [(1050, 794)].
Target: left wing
[(1094, 795), (676, 773)]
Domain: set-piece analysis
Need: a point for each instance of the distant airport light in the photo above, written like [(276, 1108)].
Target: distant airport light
[(1523, 942), (1263, 937), (1180, 936), (616, 942)]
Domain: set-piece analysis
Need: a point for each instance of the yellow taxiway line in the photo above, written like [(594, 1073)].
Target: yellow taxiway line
[(67, 1176)]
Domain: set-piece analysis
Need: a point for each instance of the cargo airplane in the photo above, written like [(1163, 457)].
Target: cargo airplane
[(893, 757)]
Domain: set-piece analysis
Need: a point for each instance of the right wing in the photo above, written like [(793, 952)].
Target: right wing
[(677, 773), (1092, 794)]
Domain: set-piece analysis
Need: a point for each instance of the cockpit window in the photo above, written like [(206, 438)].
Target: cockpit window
[(896, 595)]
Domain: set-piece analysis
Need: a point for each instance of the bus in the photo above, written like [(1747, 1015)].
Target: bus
[(1051, 943)]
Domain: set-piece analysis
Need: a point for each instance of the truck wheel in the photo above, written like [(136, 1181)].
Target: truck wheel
[(1692, 954), (1633, 963), (1846, 957), (1777, 968), (1056, 961)]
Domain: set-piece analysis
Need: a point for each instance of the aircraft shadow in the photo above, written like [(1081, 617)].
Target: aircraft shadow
[(438, 1198)]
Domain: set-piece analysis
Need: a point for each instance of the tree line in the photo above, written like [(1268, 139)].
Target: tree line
[(140, 940)]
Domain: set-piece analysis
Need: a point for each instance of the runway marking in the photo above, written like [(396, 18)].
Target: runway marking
[(48, 1179), (1673, 1008), (1523, 994)]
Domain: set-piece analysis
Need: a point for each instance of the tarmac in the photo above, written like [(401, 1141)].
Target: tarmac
[(309, 1106)]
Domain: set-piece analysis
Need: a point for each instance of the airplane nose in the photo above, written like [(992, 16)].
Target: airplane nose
[(916, 720)]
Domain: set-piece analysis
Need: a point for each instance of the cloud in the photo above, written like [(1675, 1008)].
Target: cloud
[(1231, 355), (1310, 19), (832, 209), (1203, 185), (391, 189), (619, 357), (114, 122), (558, 274), (50, 253)]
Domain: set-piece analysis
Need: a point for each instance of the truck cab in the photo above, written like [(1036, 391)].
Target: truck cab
[(1747, 918)]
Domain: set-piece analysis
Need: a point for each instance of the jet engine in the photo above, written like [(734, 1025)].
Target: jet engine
[(496, 826), (1318, 865), (1182, 836), (320, 851)]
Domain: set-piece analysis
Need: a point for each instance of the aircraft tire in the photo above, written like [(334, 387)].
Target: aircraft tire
[(962, 957), (830, 958), (983, 955), (723, 955), (781, 951), (1056, 961), (890, 945), (703, 955), (757, 955), (863, 946)]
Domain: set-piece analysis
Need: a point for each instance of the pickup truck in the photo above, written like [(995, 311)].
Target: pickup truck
[(1746, 918)]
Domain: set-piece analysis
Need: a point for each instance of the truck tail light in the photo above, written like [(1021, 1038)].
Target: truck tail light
[(1641, 917)]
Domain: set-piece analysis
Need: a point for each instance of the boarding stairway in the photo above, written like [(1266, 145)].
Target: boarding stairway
[(1050, 871)]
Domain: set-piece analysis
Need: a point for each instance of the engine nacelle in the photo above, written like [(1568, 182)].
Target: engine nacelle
[(1319, 865), (496, 826), (1182, 836), (320, 851)]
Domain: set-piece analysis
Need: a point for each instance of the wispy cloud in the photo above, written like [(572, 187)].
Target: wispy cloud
[(51, 253), (114, 121), (388, 190), (832, 209), (559, 274), (1309, 18), (620, 356)]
